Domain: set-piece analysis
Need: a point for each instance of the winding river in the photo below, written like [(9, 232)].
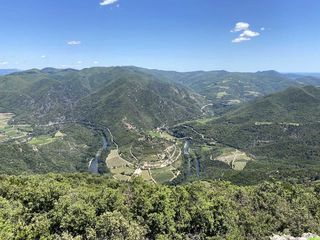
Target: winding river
[(198, 167), (94, 163), (186, 153)]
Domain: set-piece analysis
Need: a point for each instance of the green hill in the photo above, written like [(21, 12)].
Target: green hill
[(53, 95), (279, 133), (132, 102), (296, 104), (124, 100), (226, 89)]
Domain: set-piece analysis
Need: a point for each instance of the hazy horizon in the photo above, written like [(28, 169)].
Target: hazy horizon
[(317, 74)]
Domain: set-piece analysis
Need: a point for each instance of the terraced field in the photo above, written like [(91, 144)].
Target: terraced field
[(120, 168), (236, 159), (12, 132), (42, 140), (160, 153), (162, 175)]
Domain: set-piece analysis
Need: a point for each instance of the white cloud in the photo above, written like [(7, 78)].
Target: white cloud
[(43, 56), (74, 42), (3, 62), (262, 29), (240, 39), (95, 62), (79, 62), (249, 34), (107, 2), (240, 26), (246, 34)]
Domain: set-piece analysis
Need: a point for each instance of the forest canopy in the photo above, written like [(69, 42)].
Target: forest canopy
[(83, 206)]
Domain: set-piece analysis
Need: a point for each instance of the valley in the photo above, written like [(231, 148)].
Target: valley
[(160, 120), (127, 122)]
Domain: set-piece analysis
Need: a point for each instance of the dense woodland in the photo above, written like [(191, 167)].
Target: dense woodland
[(81, 206)]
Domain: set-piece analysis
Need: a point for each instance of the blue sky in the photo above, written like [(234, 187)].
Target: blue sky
[(181, 35)]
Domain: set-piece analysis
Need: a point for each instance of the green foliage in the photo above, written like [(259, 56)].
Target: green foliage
[(80, 206), (113, 225)]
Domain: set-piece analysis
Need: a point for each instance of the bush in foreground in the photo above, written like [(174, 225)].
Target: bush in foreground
[(81, 206)]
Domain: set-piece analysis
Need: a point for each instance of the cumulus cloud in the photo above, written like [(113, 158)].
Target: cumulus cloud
[(240, 26), (249, 34), (74, 42), (246, 34), (107, 2), (240, 39)]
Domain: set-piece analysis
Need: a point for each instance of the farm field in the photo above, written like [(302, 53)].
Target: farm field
[(114, 160), (235, 158), (12, 132), (42, 140), (163, 175)]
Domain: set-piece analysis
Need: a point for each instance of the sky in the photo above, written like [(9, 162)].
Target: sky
[(181, 35)]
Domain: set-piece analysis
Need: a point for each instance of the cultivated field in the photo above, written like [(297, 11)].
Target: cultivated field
[(12, 132), (114, 160), (162, 175), (236, 159)]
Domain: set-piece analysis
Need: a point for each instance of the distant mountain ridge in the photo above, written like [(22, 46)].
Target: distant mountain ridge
[(305, 74), (154, 96), (225, 89), (7, 71)]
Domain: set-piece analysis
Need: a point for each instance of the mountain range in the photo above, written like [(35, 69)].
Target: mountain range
[(267, 117), (7, 71)]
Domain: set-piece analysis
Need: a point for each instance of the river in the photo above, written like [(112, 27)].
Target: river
[(187, 156), (94, 163), (198, 167), (186, 148), (186, 153)]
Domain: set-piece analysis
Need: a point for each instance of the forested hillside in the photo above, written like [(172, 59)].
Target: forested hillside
[(276, 136), (50, 95), (227, 89), (53, 120), (58, 120)]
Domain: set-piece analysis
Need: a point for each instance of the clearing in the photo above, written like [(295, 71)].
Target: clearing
[(235, 158), (162, 175), (46, 139), (222, 94), (114, 160), (12, 132)]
